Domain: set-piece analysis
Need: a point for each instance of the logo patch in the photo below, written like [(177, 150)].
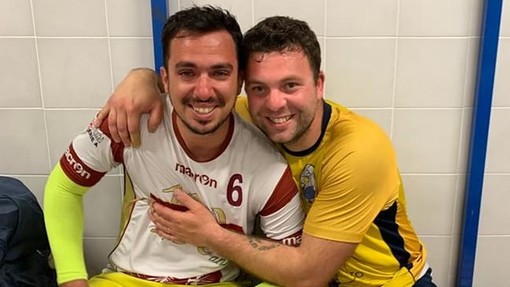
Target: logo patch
[(308, 185)]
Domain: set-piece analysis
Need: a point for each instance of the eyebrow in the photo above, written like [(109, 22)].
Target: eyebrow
[(286, 79), (214, 67)]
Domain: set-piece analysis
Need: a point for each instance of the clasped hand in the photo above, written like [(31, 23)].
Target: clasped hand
[(193, 226)]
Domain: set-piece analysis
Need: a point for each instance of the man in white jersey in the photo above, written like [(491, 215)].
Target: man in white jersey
[(202, 147)]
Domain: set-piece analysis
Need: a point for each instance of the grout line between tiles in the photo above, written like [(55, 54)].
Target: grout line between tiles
[(41, 91)]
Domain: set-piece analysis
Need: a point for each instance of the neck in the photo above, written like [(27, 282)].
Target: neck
[(206, 147)]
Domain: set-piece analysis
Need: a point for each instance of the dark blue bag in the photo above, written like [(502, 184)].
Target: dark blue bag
[(24, 248)]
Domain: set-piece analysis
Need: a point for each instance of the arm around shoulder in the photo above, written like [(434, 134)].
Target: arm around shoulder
[(139, 92), (313, 263)]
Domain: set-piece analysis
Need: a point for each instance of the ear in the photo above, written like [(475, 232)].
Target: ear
[(164, 77), (319, 85)]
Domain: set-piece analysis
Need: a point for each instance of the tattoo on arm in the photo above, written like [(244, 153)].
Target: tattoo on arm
[(262, 245)]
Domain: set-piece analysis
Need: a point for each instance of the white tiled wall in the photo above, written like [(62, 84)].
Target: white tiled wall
[(59, 61), (409, 65)]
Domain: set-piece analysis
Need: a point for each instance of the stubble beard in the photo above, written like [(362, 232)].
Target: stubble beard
[(199, 131), (187, 102), (302, 126)]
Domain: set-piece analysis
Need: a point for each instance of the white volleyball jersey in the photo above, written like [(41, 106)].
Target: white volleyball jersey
[(248, 178)]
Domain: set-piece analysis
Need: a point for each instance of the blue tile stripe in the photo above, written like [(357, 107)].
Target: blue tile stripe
[(159, 15), (478, 142)]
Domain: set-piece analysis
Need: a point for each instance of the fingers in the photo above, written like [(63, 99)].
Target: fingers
[(117, 124), (161, 215), (156, 115), (184, 199), (122, 128), (112, 126), (101, 116), (133, 120)]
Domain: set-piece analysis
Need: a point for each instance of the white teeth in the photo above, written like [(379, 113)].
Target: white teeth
[(279, 120), (202, 110)]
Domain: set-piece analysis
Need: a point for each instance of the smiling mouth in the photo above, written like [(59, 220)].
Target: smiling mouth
[(203, 110), (279, 120)]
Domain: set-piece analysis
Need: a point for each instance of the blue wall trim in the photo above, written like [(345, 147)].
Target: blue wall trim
[(479, 134), (159, 15)]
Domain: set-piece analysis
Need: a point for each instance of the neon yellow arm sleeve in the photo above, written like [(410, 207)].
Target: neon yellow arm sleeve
[(63, 215)]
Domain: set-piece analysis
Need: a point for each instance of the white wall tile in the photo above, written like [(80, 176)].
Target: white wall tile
[(23, 145), (422, 193), (304, 10), (129, 18), (96, 253), (360, 72), (434, 18), (492, 261), (427, 140), (16, 18), (438, 258), (475, 20), (173, 6), (19, 80), (439, 80), (242, 10), (361, 18), (380, 116), (498, 145), (63, 126), (471, 72), (102, 207), (457, 221), (464, 139), (458, 211), (505, 20), (75, 72), (501, 96), (70, 17), (128, 54), (494, 216)]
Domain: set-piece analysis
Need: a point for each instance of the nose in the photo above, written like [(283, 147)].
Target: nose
[(275, 100), (204, 87)]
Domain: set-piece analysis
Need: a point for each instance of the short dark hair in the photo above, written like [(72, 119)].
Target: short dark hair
[(201, 20), (280, 34)]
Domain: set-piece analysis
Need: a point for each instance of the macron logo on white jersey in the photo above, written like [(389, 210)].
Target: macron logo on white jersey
[(200, 178), (76, 166)]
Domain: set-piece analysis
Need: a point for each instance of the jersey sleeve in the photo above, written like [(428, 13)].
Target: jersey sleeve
[(282, 216), (359, 181), (91, 154)]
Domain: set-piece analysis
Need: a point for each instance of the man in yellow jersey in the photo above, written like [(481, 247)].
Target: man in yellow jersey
[(357, 231), (201, 147)]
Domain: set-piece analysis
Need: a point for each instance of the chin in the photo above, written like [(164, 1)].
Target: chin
[(277, 138)]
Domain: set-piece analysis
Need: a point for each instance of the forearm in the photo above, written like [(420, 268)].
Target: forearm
[(63, 214), (269, 260), (147, 76)]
